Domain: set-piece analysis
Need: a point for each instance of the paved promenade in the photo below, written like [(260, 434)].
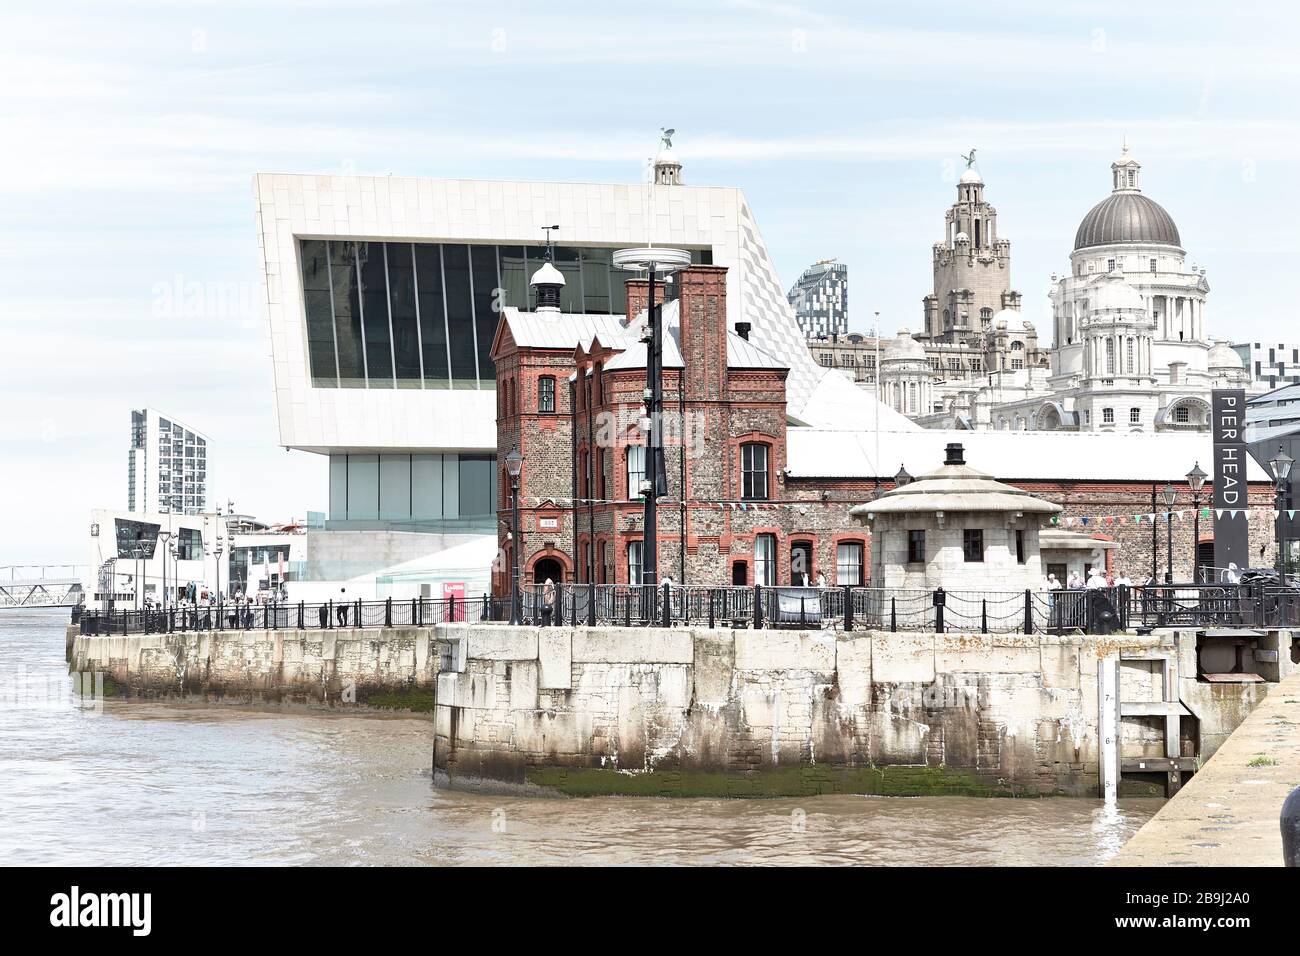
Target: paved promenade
[(1227, 815)]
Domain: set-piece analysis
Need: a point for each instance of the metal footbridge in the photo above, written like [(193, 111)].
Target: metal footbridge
[(40, 585)]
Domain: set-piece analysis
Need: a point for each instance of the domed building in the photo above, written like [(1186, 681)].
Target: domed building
[(906, 377), (1131, 349)]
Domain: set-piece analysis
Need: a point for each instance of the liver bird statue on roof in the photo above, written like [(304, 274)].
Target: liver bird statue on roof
[(970, 160), (666, 137)]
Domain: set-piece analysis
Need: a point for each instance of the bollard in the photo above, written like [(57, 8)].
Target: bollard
[(591, 603), (984, 616), (667, 611), (1291, 829), (758, 606), (388, 611), (1029, 611), (893, 614), (940, 599), (711, 592), (848, 607), (302, 613)]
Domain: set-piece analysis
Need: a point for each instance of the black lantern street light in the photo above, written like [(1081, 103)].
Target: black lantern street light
[(1170, 494), (655, 262), (164, 537), (218, 551), (1281, 464), (902, 478), (1196, 479), (514, 467)]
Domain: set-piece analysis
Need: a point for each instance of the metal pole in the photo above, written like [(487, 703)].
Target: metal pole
[(1196, 538), (1278, 502), (654, 385), (514, 551), (1169, 544), (1155, 550)]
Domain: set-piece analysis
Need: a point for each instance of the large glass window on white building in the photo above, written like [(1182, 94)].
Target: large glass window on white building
[(422, 315), (418, 492)]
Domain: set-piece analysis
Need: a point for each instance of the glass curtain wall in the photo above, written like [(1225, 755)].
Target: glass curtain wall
[(423, 315)]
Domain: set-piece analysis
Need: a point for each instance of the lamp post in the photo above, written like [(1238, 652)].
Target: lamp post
[(1196, 479), (514, 467), (902, 478), (1170, 494), (1281, 464), (163, 538), (654, 262), (218, 552)]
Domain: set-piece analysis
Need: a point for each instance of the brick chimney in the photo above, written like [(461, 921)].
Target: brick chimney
[(638, 294), (702, 294)]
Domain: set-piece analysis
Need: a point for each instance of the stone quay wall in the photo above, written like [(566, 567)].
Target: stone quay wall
[(686, 711), (751, 713), (390, 667)]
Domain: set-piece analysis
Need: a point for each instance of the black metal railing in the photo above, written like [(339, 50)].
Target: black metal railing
[(243, 616), (1092, 611)]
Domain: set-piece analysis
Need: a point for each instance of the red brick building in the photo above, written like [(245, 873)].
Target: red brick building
[(569, 397)]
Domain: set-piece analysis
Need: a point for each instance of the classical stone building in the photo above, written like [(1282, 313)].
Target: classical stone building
[(972, 269), (1131, 346)]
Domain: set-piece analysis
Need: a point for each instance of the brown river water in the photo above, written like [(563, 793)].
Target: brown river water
[(132, 783)]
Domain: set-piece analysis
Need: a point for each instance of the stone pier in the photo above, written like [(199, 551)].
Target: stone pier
[(1228, 815), (692, 712)]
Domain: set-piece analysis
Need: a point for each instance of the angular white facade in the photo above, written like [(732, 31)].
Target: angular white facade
[(714, 222)]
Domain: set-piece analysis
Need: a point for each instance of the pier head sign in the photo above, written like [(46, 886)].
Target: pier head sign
[(1231, 493)]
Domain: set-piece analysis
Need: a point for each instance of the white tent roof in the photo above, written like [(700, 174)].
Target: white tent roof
[(474, 558), (1007, 455), (838, 403)]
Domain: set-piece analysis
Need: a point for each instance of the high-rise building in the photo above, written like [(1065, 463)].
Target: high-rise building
[(821, 299), (1270, 364), (167, 465)]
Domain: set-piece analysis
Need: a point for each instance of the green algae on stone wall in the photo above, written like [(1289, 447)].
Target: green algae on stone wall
[(789, 781)]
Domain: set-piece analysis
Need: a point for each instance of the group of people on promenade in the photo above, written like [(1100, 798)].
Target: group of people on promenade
[(1096, 579)]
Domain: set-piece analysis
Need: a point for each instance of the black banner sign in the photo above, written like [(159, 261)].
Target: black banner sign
[(1231, 493)]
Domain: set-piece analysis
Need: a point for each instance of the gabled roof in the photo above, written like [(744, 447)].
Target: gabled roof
[(561, 331)]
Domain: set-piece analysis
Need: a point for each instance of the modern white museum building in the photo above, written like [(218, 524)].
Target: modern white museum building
[(382, 297)]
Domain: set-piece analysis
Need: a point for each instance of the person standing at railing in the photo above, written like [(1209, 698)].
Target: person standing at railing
[(341, 612), (821, 579), (1096, 580), (548, 602), (1074, 582)]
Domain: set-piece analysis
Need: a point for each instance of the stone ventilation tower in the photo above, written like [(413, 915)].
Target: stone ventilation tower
[(972, 268), (668, 170)]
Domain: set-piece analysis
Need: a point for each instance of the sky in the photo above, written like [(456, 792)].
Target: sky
[(131, 132)]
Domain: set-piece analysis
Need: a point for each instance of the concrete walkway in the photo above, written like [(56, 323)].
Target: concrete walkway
[(1227, 815)]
